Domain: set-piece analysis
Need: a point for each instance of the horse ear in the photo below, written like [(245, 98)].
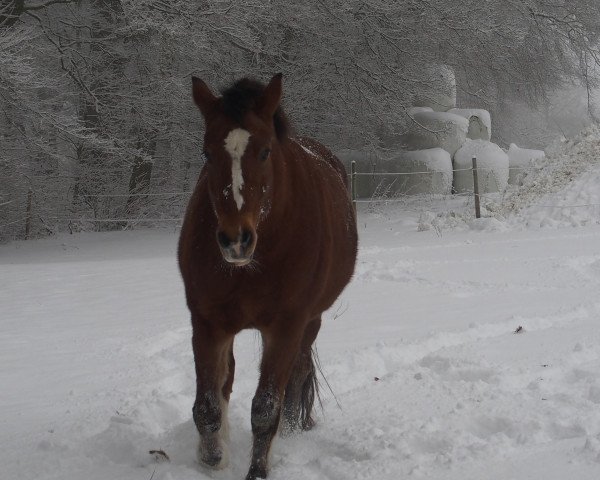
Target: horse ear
[(203, 97), (271, 97)]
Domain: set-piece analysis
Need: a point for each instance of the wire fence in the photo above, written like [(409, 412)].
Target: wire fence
[(156, 208)]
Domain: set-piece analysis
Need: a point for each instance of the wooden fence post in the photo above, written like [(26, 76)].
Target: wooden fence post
[(476, 189), (353, 184), (28, 215)]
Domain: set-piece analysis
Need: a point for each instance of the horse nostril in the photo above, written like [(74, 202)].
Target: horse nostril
[(223, 239), (247, 238)]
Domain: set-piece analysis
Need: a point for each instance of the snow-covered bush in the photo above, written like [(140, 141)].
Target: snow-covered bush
[(492, 166), (519, 159), (562, 189), (436, 129), (480, 123)]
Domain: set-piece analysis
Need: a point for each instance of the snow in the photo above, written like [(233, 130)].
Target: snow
[(561, 189), (523, 157), (480, 123), (437, 129), (576, 205), (520, 159), (492, 165), (430, 381)]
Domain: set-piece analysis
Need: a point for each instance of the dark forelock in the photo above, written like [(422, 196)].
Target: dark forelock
[(243, 96)]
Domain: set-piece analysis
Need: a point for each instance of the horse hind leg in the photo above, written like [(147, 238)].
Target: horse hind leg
[(302, 387), (300, 396)]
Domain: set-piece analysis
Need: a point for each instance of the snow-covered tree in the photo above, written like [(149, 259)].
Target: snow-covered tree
[(94, 94)]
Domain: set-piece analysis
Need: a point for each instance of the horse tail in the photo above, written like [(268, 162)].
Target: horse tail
[(308, 393)]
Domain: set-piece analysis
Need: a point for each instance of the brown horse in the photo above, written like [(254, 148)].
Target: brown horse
[(269, 242)]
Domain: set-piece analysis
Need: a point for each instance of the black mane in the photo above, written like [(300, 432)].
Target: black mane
[(242, 97)]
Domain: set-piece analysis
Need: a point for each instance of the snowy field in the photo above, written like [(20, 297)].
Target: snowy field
[(462, 349), (430, 379)]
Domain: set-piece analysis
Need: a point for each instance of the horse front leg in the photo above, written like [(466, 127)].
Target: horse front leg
[(213, 362), (280, 350)]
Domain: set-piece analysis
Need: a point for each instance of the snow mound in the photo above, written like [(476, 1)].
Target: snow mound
[(519, 159), (430, 171), (564, 188), (492, 166), (437, 129), (480, 122)]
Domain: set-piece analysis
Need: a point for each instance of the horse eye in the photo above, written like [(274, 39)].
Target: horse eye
[(265, 154)]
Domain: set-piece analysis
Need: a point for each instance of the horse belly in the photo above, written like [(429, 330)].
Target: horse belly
[(338, 249)]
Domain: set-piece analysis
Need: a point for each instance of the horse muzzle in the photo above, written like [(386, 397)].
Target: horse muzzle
[(237, 251)]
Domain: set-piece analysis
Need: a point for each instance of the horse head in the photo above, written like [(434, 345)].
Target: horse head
[(239, 136)]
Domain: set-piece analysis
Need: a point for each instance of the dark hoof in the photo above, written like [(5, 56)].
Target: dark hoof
[(213, 456), (256, 472), (288, 429), (213, 460)]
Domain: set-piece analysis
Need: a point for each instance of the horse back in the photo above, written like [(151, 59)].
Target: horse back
[(312, 147)]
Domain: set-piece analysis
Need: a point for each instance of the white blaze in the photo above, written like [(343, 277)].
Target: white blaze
[(235, 144)]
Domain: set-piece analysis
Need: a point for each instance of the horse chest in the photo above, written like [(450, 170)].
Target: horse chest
[(252, 301)]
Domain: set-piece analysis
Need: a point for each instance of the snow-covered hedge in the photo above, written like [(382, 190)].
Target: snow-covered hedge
[(519, 159), (436, 129), (492, 165), (480, 123), (567, 179)]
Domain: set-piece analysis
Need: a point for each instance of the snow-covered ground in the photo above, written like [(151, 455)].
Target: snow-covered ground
[(428, 379)]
